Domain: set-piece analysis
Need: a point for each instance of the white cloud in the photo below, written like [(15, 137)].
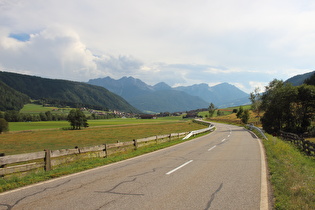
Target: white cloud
[(178, 42)]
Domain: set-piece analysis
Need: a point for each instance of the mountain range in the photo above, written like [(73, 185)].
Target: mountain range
[(161, 97), (127, 94)]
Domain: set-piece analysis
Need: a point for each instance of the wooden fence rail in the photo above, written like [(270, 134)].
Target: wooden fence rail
[(48, 159), (304, 145)]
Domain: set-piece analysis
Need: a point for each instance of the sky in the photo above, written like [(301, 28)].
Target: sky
[(246, 43)]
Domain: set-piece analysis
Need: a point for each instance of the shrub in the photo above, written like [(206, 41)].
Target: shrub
[(4, 125)]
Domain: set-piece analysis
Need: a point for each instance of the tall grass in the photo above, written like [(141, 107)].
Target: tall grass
[(292, 175)]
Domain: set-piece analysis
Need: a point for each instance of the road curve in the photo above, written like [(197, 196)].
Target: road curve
[(221, 170)]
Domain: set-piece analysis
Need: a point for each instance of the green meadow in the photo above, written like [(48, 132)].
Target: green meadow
[(37, 136)]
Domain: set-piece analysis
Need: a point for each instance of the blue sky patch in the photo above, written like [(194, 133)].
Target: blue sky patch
[(23, 37)]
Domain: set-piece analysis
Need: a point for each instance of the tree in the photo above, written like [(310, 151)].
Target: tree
[(310, 80), (240, 112), (287, 107), (4, 125), (12, 116), (77, 119), (277, 104), (245, 116), (255, 98), (211, 109)]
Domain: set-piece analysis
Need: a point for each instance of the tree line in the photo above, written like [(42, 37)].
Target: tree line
[(287, 108), (16, 116)]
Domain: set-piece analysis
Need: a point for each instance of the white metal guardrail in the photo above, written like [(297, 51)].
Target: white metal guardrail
[(192, 133), (252, 127)]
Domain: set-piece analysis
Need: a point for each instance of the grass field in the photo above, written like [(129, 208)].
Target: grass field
[(35, 109), (22, 126), (101, 132)]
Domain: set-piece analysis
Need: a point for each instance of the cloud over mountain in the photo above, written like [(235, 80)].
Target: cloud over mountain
[(244, 43)]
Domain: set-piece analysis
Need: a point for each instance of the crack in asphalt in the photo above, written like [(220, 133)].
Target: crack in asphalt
[(111, 191), (9, 207), (148, 172), (213, 196)]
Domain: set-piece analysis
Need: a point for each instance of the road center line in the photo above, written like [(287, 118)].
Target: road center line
[(212, 147), (175, 169), (223, 140)]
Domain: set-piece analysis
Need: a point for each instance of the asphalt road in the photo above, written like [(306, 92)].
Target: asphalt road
[(221, 170)]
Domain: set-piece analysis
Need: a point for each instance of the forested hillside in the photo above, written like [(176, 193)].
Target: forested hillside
[(11, 99), (65, 92), (299, 79)]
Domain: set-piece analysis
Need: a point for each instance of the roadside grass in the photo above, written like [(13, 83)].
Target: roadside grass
[(13, 182), (38, 140), (292, 175)]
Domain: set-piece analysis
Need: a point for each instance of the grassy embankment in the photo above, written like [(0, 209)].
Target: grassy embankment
[(291, 173)]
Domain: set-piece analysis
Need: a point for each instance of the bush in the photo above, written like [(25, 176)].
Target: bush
[(4, 125)]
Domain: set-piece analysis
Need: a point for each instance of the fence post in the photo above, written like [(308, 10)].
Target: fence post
[(2, 155), (105, 150), (2, 166), (135, 143), (47, 160)]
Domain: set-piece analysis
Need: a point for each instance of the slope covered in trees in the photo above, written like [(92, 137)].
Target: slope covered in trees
[(11, 99), (299, 79), (65, 92)]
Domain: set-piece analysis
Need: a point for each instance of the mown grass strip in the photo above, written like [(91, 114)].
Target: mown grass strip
[(292, 175)]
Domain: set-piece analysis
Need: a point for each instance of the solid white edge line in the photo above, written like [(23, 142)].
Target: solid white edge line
[(212, 147), (175, 169), (264, 203)]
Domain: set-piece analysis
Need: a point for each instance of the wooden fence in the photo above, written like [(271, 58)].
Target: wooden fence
[(304, 145), (49, 159)]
